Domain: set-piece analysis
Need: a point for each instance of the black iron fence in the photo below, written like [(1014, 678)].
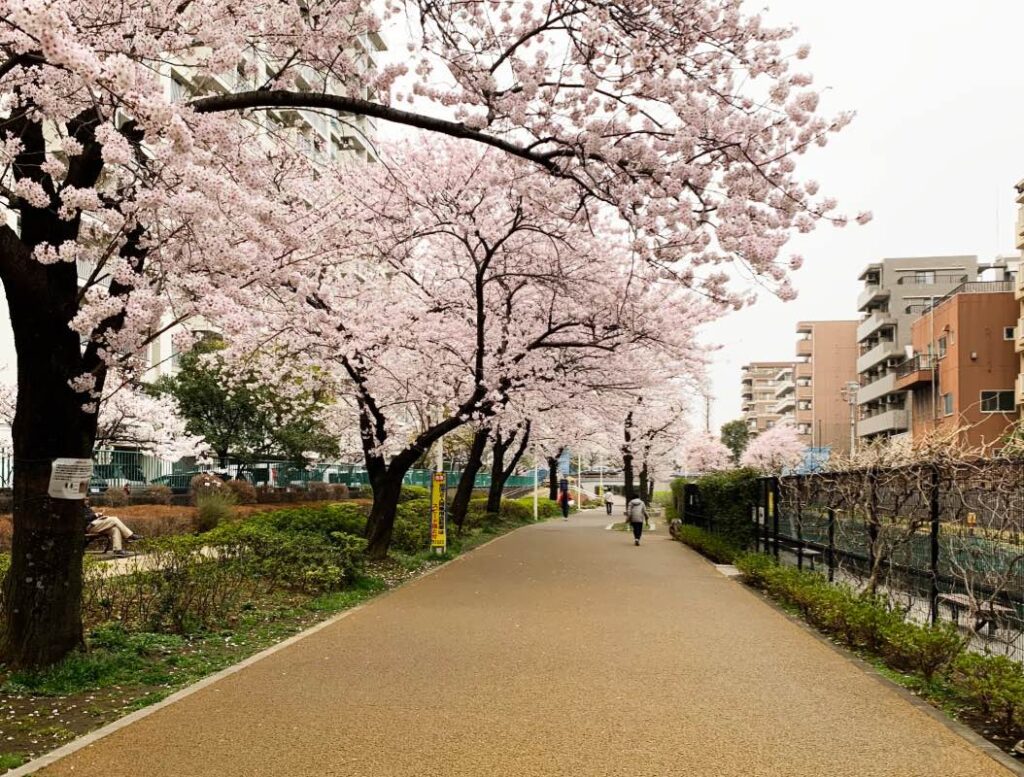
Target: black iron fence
[(943, 540)]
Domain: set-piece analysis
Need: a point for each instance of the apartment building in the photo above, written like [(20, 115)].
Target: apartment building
[(826, 364), (768, 393), (1019, 292), (896, 290), (964, 364)]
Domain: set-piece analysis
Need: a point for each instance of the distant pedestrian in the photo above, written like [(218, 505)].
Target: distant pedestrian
[(609, 500), (563, 500), (636, 514)]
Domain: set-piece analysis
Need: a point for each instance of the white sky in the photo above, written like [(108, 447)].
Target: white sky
[(934, 152)]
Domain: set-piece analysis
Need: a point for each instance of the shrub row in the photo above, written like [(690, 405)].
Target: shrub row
[(993, 686), (725, 500), (716, 548)]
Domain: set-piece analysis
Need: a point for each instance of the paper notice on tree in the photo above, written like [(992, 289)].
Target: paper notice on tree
[(69, 478)]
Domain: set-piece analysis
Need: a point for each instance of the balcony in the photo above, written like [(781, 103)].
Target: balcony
[(876, 389), (1020, 389), (873, 323), (884, 350), (1019, 285), (889, 422), (783, 375), (804, 392), (803, 370), (871, 294), (747, 393), (803, 347), (1020, 334), (915, 371)]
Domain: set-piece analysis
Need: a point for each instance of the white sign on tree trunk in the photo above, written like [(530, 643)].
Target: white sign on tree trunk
[(69, 478)]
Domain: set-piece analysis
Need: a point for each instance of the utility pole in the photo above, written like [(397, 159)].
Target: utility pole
[(849, 393), (536, 483)]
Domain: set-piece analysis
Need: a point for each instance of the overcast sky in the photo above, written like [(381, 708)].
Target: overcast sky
[(934, 152)]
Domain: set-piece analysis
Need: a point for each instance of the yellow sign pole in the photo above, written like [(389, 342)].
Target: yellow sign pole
[(438, 509)]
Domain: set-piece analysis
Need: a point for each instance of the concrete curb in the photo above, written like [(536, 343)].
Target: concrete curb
[(958, 728), (104, 731)]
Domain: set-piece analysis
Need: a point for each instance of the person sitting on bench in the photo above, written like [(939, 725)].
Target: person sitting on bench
[(112, 526)]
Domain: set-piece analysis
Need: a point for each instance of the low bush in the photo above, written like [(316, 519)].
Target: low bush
[(995, 686), (412, 493), (411, 532), (318, 491), (859, 621), (156, 494), (213, 507), (112, 497), (347, 518), (205, 482), (243, 491), (718, 549)]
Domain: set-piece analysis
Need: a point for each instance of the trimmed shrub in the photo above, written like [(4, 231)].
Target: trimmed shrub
[(243, 491), (322, 521), (726, 498), (337, 491), (995, 686), (156, 494), (204, 482), (927, 651), (318, 491), (411, 532), (716, 548), (410, 493)]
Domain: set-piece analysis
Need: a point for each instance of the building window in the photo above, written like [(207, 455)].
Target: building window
[(947, 404), (769, 424), (1009, 333), (943, 345), (925, 277), (997, 402)]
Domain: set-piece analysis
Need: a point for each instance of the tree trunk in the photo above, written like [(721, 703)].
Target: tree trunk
[(499, 472), (498, 449), (387, 488), (627, 459), (42, 593), (643, 483), (553, 475), (464, 492)]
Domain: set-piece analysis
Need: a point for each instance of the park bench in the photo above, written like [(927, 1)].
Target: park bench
[(988, 614), (99, 537), (810, 554)]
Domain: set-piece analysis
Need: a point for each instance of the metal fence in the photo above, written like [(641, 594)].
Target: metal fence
[(134, 469), (942, 541)]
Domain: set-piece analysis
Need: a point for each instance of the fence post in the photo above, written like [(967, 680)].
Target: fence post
[(799, 526), (831, 544), (933, 598), (773, 498), (756, 526)]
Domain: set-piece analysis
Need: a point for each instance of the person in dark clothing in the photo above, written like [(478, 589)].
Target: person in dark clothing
[(563, 500)]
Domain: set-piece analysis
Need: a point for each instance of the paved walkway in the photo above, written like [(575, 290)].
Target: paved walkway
[(558, 650)]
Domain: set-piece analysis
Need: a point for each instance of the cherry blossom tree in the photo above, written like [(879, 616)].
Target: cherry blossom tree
[(705, 453), (774, 450), (683, 118)]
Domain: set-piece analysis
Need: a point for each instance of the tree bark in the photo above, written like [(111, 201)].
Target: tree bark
[(464, 491), (553, 475), (627, 459), (643, 483), (42, 592), (387, 488), (499, 472)]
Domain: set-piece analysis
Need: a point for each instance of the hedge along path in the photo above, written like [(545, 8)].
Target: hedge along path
[(560, 649)]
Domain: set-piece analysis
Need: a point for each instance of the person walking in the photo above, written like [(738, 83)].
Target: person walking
[(563, 500), (609, 500), (636, 515)]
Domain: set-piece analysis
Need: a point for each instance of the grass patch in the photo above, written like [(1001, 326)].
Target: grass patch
[(11, 760)]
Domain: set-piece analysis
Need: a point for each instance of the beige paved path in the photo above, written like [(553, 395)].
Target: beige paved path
[(558, 650)]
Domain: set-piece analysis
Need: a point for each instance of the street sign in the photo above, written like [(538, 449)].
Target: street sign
[(438, 536)]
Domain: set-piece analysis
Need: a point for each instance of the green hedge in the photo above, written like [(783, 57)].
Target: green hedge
[(716, 548), (725, 498)]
